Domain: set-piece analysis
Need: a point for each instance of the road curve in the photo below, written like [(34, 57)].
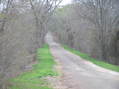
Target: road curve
[(79, 73)]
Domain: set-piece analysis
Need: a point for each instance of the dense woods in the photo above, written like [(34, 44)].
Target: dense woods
[(90, 26), (22, 30)]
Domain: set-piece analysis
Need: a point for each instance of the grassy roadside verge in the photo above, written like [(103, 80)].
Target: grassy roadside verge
[(35, 79), (97, 62)]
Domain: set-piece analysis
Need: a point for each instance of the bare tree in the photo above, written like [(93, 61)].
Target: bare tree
[(98, 19), (42, 10), (102, 13)]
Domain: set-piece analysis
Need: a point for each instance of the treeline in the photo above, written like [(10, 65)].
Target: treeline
[(23, 25), (91, 26)]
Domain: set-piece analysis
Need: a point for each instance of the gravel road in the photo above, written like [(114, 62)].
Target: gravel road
[(79, 73)]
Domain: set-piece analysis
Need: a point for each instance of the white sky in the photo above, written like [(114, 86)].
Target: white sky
[(65, 2)]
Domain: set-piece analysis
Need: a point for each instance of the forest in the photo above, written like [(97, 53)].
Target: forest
[(88, 26)]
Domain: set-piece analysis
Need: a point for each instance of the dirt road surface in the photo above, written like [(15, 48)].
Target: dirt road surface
[(79, 73)]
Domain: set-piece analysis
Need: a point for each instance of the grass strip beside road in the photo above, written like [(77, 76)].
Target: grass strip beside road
[(35, 79), (93, 60)]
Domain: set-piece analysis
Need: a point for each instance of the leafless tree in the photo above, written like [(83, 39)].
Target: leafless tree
[(22, 25), (4, 64), (102, 13), (99, 20), (42, 10)]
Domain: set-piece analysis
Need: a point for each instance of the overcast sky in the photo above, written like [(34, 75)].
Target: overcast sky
[(65, 2)]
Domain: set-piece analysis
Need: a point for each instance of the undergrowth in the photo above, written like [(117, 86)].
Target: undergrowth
[(93, 60), (35, 79)]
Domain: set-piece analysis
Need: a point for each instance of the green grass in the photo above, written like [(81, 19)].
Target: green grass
[(35, 78), (93, 60)]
